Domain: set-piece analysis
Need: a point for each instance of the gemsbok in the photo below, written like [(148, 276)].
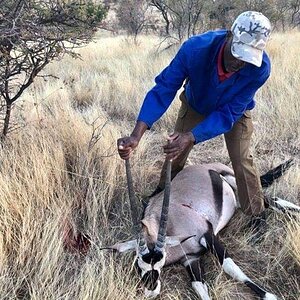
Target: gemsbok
[(182, 223)]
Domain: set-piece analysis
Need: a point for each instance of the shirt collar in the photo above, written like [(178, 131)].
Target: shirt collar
[(221, 71)]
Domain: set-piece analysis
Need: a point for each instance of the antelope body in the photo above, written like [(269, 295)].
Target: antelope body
[(199, 198), (202, 202)]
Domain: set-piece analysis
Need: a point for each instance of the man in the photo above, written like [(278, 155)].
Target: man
[(222, 71)]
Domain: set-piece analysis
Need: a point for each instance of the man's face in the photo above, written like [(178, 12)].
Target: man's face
[(231, 63)]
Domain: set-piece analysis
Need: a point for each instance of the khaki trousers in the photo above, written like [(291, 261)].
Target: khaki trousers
[(238, 145)]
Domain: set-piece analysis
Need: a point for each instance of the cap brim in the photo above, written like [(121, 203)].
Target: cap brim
[(247, 53)]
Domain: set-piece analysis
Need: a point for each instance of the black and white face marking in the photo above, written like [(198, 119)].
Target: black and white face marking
[(149, 268), (150, 279)]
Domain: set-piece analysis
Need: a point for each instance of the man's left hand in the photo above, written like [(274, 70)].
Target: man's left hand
[(178, 144)]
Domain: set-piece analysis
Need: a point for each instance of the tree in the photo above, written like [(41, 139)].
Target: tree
[(280, 13), (132, 16), (294, 7), (162, 7), (183, 17), (267, 7), (32, 34), (221, 13)]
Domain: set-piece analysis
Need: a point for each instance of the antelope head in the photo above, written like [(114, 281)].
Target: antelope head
[(150, 254), (150, 249)]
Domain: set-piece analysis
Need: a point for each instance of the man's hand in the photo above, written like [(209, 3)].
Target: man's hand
[(178, 144), (126, 145)]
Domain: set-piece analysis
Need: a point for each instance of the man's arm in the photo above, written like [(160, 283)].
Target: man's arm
[(157, 100), (168, 82), (218, 122), (222, 120)]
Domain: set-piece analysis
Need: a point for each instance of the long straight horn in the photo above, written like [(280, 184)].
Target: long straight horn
[(161, 238), (134, 209)]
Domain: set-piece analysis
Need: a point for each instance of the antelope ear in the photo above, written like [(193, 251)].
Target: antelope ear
[(122, 247), (150, 228), (173, 241)]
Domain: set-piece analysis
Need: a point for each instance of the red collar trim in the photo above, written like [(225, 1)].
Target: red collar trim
[(222, 74)]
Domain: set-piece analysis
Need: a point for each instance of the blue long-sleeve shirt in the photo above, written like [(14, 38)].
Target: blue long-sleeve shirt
[(223, 103)]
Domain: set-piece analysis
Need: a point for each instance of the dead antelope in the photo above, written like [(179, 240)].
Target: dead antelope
[(182, 223)]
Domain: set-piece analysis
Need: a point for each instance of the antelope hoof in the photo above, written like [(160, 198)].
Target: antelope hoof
[(269, 296)]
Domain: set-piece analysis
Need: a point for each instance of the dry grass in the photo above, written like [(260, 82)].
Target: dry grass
[(63, 166)]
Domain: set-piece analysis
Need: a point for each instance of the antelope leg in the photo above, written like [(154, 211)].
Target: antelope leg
[(282, 205), (193, 266), (231, 268)]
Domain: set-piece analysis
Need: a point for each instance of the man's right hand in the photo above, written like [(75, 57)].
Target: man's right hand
[(126, 145)]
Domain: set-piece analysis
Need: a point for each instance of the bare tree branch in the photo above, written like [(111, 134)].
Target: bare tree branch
[(35, 32)]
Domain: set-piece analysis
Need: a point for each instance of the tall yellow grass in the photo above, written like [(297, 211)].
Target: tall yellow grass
[(63, 165)]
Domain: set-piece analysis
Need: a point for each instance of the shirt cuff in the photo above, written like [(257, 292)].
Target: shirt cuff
[(149, 124)]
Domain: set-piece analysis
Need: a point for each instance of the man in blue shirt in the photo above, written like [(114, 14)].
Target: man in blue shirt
[(222, 71)]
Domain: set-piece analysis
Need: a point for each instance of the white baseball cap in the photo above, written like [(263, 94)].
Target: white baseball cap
[(251, 31)]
